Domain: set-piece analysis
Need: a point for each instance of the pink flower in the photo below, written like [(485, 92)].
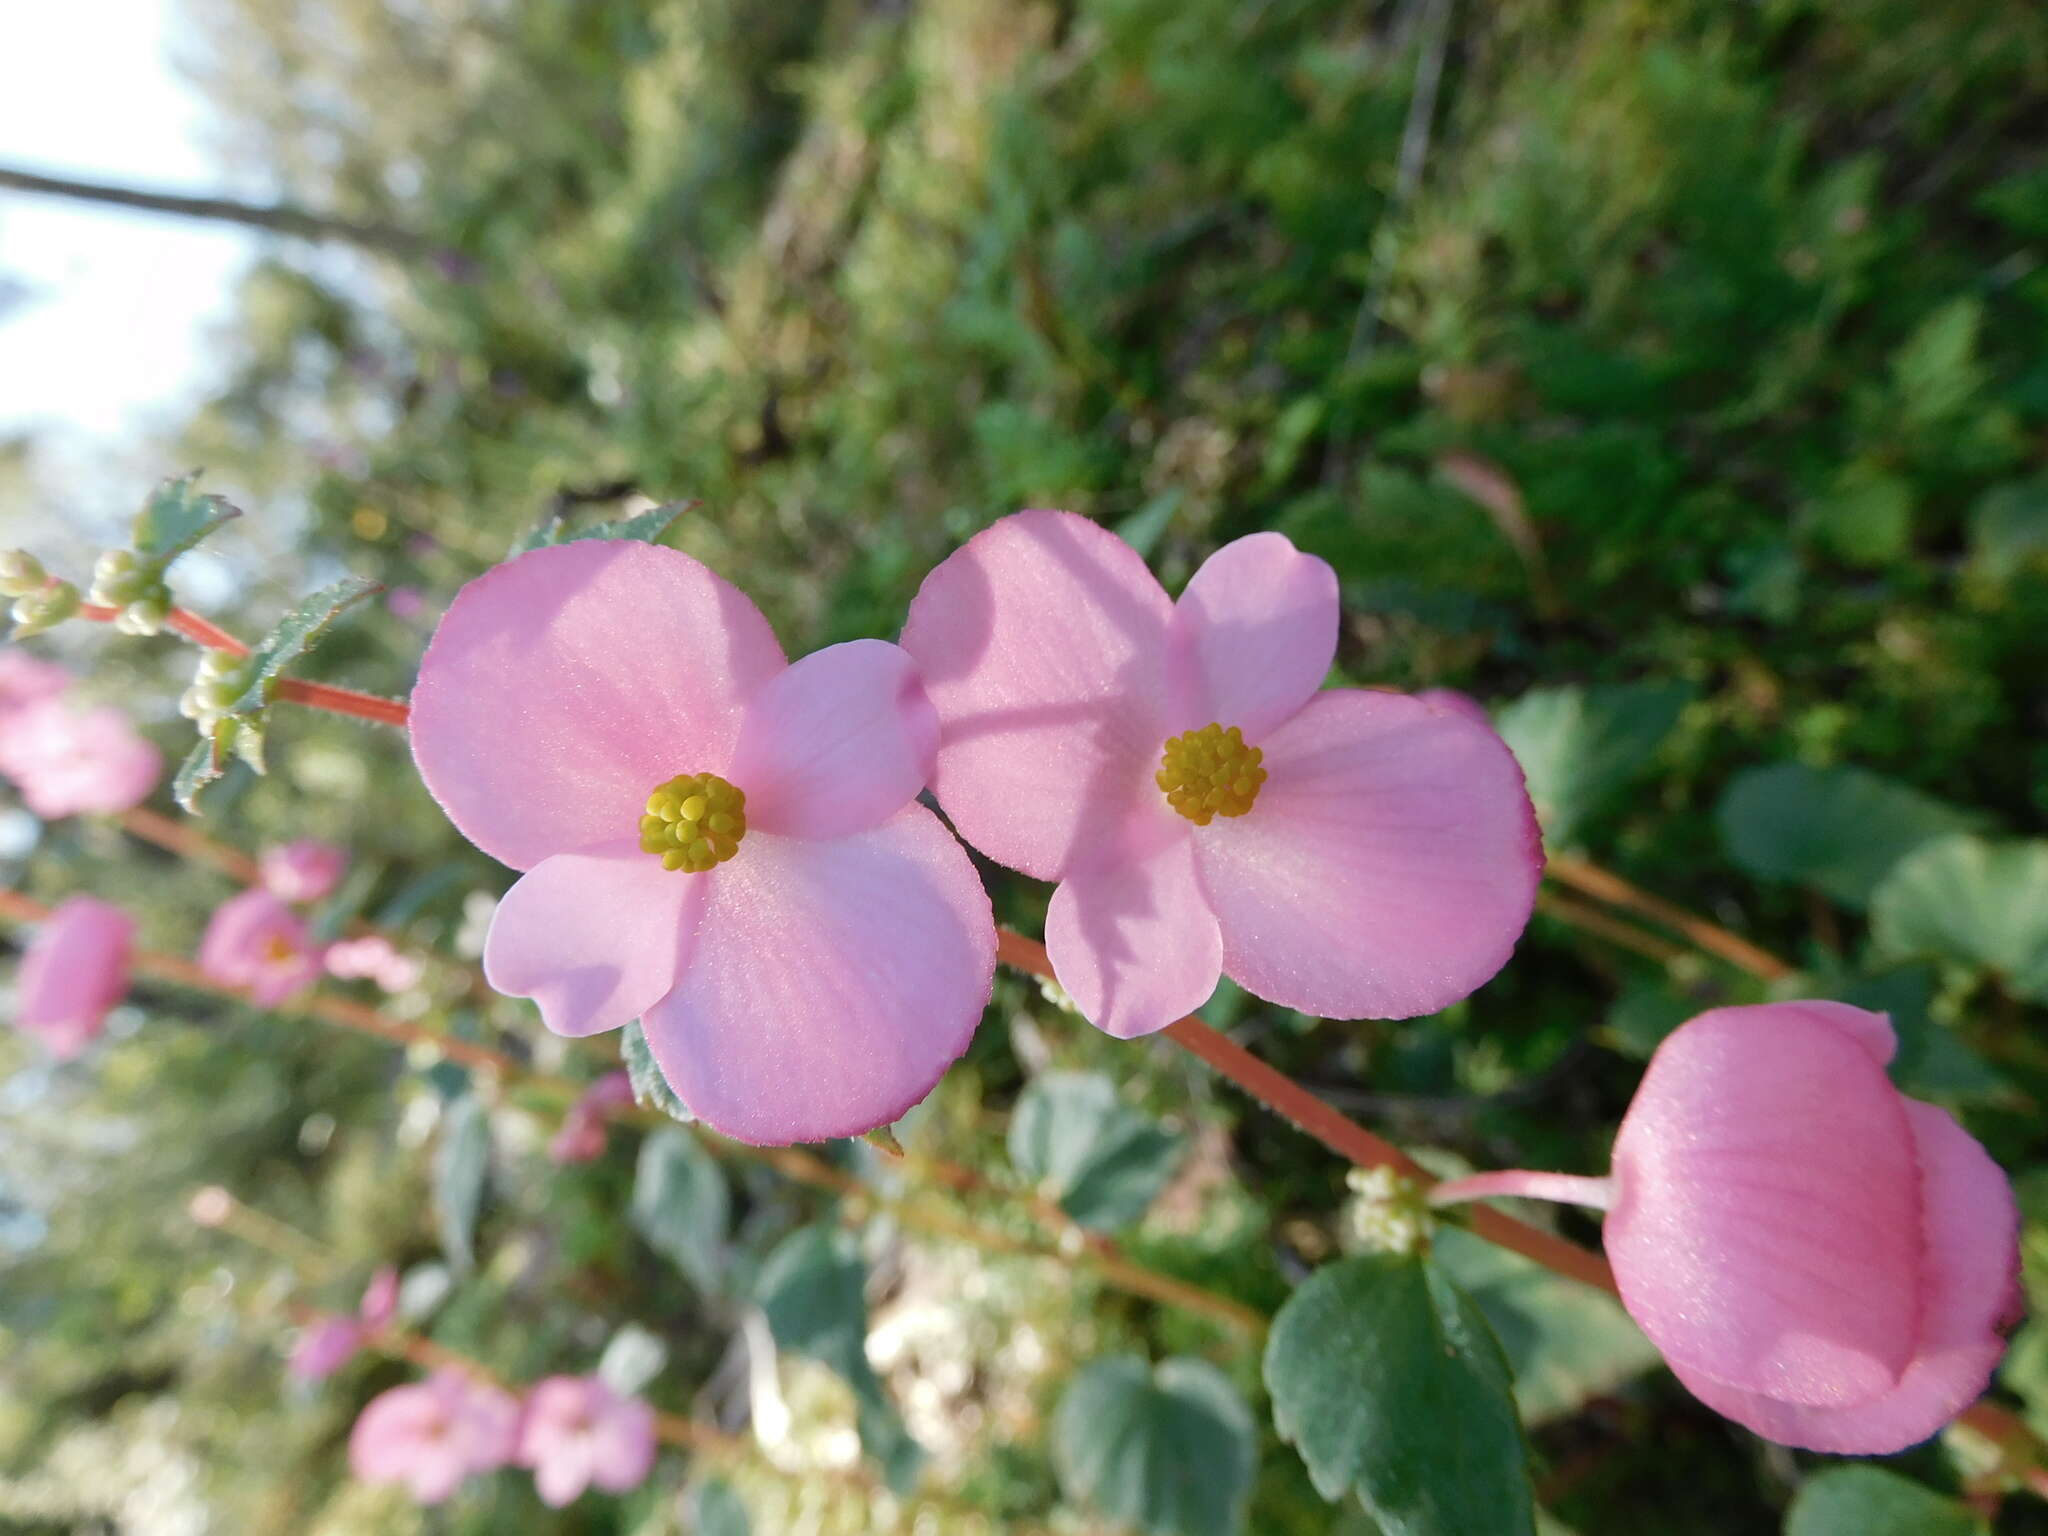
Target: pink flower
[(372, 958), (25, 680), (1202, 805), (581, 1138), (254, 941), (302, 872), (1817, 1256), (433, 1435), (808, 948), (329, 1342), (74, 971), (578, 1432), (69, 761)]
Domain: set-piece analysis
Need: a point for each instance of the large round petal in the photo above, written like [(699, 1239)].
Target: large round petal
[(831, 983), (1766, 1229), (565, 685), (1387, 867), (1131, 936), (74, 971), (622, 1450), (839, 742), (595, 937), (1256, 629), (1043, 643), (1970, 1264)]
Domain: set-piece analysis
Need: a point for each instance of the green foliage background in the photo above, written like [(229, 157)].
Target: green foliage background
[(1687, 402)]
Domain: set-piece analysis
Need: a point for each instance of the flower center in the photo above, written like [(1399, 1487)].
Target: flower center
[(694, 822), (278, 949), (1210, 773)]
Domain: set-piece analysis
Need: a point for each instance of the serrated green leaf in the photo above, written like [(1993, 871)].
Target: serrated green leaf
[(293, 636), (1580, 747), (1564, 1342), (1169, 1450), (717, 1511), (1840, 830), (681, 1205), (1869, 1501), (177, 516), (650, 1088), (1970, 900), (201, 767), (461, 1165), (246, 740), (648, 527), (813, 1290), (1388, 1381), (1104, 1162)]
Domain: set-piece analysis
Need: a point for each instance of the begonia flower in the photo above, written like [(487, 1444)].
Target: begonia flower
[(373, 958), (255, 942), (73, 972), (717, 842), (434, 1435), (70, 762), (330, 1341), (1204, 804), (302, 872), (1816, 1255), (583, 1132), (578, 1432), (24, 680)]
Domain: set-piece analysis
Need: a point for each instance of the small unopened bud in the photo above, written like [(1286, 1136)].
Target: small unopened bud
[(44, 608), (214, 665), (20, 573), (117, 580), (210, 1206), (1388, 1213), (144, 616)]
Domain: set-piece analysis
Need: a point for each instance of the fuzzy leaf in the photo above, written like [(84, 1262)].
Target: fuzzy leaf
[(177, 516), (681, 1205), (1169, 1450), (294, 635), (650, 1089), (1102, 1160), (648, 527)]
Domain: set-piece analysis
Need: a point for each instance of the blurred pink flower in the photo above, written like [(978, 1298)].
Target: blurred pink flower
[(406, 602), (433, 1435), (74, 970), (25, 680), (1817, 1256), (373, 958), (68, 762), (577, 1432), (585, 703), (255, 942), (582, 1136), (329, 1342), (302, 872), (1205, 806), (380, 1299)]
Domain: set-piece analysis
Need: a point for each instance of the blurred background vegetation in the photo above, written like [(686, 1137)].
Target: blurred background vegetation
[(1669, 374)]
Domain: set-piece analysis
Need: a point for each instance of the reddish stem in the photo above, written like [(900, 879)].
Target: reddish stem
[(344, 701)]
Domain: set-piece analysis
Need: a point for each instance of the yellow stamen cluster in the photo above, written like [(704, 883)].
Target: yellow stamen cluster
[(694, 822), (1210, 773)]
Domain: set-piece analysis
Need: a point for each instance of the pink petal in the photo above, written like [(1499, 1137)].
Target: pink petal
[(831, 983), (303, 871), (255, 942), (25, 680), (324, 1347), (1765, 1231), (380, 1298), (1257, 629), (837, 743), (554, 1409), (72, 762), (561, 1479), (594, 937), (1970, 1272), (1132, 938), (73, 973), (1387, 867), (622, 1451), (1043, 646), (563, 686), (1450, 701), (390, 1430)]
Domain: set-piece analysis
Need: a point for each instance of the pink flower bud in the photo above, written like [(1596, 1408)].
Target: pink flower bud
[(302, 872), (578, 1432), (324, 1346), (254, 942), (75, 970)]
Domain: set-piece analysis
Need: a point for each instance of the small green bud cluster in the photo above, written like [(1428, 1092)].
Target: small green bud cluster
[(44, 608), (219, 682), (1388, 1212), (136, 587), (21, 573)]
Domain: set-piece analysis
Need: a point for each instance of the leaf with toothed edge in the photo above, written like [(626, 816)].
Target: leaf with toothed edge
[(650, 1089), (177, 516), (647, 527), (294, 635)]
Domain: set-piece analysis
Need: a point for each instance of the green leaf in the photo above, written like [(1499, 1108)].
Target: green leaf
[(1564, 1342), (650, 1088), (202, 765), (1387, 1380), (1170, 1450), (681, 1205), (1869, 1501), (1932, 1062), (177, 516), (294, 635), (1104, 1162), (647, 527), (1840, 830), (1866, 517), (717, 1511), (461, 1163), (1580, 747), (2009, 529), (632, 1358), (1972, 900), (813, 1289)]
